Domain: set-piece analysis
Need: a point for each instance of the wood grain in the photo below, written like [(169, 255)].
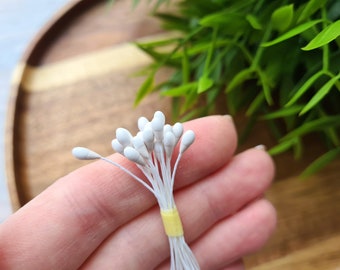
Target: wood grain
[(321, 255), (308, 230), (74, 87), (63, 78)]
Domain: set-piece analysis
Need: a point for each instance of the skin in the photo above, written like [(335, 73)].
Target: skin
[(97, 217)]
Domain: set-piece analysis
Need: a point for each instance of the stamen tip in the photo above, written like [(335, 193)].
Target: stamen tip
[(84, 153)]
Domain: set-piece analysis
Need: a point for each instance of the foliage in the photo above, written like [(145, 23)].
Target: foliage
[(279, 61)]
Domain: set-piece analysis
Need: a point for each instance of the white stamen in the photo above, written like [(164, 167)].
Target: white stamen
[(159, 115), (157, 127), (148, 137), (169, 143), (167, 128), (152, 149), (133, 155), (187, 139), (142, 121), (84, 153), (139, 145), (177, 129), (123, 136), (117, 146)]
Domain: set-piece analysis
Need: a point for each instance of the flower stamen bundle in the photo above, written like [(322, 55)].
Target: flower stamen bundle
[(151, 150)]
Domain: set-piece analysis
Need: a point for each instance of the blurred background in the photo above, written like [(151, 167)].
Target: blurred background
[(20, 20)]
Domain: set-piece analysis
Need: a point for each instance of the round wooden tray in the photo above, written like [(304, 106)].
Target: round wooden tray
[(75, 86)]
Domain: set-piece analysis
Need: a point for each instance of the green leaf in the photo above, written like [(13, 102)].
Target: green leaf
[(190, 100), (180, 90), (297, 148), (199, 47), (240, 78), (266, 87), (311, 7), (185, 66), (157, 43), (324, 90), (304, 88), (314, 125), (333, 135), (145, 88), (194, 113), (256, 104), (284, 112), (158, 57), (171, 21), (224, 18), (281, 147), (321, 162), (291, 33), (204, 84), (212, 96), (282, 17), (327, 35), (254, 22)]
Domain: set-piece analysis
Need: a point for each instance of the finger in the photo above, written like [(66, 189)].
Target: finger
[(78, 212), (219, 195), (238, 265), (237, 236)]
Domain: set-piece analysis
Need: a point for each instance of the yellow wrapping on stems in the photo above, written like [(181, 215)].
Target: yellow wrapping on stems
[(172, 222)]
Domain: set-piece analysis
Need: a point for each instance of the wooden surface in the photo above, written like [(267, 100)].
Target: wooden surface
[(75, 87), (20, 20), (308, 229), (64, 95)]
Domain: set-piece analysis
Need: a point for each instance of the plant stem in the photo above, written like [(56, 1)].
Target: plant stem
[(210, 51), (325, 48), (261, 49)]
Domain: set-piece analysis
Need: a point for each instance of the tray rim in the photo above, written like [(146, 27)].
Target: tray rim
[(17, 76)]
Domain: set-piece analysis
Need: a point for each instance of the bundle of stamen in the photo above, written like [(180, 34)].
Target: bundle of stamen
[(151, 150)]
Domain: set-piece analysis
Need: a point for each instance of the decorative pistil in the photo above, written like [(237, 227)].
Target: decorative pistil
[(151, 150)]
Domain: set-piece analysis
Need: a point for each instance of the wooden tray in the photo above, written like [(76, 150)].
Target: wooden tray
[(74, 87)]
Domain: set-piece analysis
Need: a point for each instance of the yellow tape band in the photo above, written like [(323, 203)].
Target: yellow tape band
[(172, 222)]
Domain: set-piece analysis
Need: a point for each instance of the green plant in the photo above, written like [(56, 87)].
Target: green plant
[(275, 61)]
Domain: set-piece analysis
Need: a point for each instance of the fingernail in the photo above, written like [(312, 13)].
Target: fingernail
[(261, 147), (229, 117)]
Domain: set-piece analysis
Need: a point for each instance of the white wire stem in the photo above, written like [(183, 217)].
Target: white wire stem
[(131, 174), (181, 255), (151, 150)]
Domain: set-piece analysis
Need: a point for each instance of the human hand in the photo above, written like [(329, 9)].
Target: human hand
[(98, 217)]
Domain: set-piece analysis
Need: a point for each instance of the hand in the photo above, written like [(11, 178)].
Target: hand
[(98, 217)]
